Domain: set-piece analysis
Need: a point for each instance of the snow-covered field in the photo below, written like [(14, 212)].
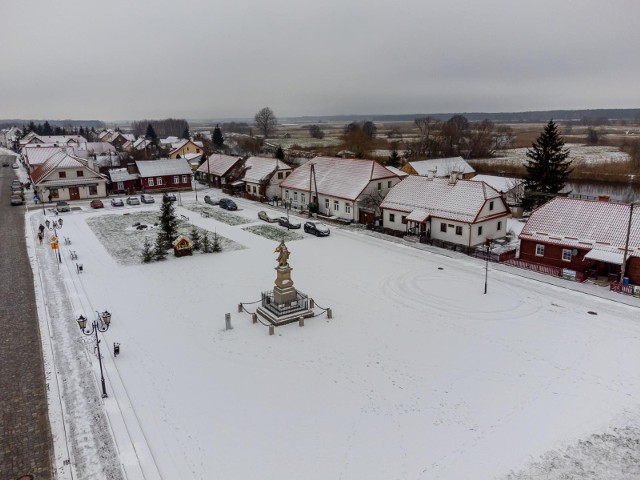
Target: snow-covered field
[(418, 374), (578, 154)]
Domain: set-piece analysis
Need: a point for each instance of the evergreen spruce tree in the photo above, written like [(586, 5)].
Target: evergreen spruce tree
[(185, 134), (206, 244), (160, 248), (46, 128), (279, 153), (196, 240), (168, 222), (151, 134), (216, 247), (147, 252), (394, 159), (217, 138), (547, 167)]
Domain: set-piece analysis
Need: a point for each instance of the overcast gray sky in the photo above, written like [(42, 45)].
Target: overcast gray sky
[(134, 59)]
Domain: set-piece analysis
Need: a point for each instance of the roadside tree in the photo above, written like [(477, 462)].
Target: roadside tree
[(265, 121)]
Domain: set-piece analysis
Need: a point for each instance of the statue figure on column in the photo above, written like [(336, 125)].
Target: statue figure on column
[(283, 254)]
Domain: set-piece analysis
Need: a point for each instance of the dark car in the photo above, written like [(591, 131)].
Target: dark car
[(228, 204), (211, 200), (285, 222), (117, 202), (317, 228), (96, 203), (63, 206), (6, 163), (171, 197)]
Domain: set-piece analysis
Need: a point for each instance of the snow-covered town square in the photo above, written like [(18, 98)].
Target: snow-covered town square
[(417, 374)]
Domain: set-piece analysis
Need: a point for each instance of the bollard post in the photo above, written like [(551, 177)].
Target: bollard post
[(271, 330), (329, 313), (312, 303), (254, 318), (239, 308), (227, 319), (301, 321)]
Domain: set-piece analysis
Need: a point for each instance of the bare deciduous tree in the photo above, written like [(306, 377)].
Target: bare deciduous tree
[(265, 121)]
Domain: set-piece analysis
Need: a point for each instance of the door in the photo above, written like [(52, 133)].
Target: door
[(74, 193)]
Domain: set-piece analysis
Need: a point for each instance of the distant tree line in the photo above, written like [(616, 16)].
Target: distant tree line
[(169, 127), (47, 129)]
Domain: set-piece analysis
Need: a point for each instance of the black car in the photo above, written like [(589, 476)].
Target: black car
[(228, 204), (317, 228), (171, 197), (211, 200), (285, 222)]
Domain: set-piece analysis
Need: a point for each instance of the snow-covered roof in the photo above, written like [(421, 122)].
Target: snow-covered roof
[(459, 201), (605, 256), (62, 161), (165, 166), (37, 155), (122, 175), (442, 166), (397, 171), (182, 143), (169, 140), (141, 143), (259, 168), (218, 164), (337, 177), (585, 224), (501, 184), (96, 147)]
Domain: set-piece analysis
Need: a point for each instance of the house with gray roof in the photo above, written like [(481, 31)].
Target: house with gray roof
[(263, 176), (440, 167), (219, 170), (124, 182), (164, 175), (452, 210)]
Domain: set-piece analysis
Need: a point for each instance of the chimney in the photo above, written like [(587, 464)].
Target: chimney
[(453, 176), (603, 198), (431, 174)]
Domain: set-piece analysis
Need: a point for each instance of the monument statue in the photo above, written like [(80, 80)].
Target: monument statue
[(283, 254)]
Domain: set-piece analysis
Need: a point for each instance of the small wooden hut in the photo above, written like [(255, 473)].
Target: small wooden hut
[(182, 246)]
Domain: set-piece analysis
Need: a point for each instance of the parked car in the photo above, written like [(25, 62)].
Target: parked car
[(96, 203), (133, 201), (15, 165), (146, 198), (170, 197), (6, 163), (317, 228), (262, 215), (16, 185), (17, 191), (228, 204), (62, 206), (117, 202), (211, 200), (285, 222), (16, 200)]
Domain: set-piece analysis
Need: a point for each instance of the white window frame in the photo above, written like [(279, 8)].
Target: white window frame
[(151, 183), (286, 194), (158, 181), (295, 197), (302, 198), (459, 229), (539, 250), (347, 207), (443, 227), (184, 179), (336, 206), (327, 203), (176, 179)]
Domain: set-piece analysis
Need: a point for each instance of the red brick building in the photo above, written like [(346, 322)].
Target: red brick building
[(164, 175)]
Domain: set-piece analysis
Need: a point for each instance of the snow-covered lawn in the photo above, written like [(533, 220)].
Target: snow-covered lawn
[(418, 374)]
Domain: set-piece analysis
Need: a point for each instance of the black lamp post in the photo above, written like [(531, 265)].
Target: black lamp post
[(99, 325), (486, 268), (55, 226), (195, 184)]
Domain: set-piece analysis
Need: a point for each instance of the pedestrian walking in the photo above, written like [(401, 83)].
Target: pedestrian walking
[(41, 229), (40, 237)]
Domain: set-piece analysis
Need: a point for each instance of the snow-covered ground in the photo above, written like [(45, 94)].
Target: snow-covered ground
[(418, 374), (578, 154)]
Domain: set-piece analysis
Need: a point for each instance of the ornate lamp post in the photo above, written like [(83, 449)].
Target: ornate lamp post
[(101, 324), (55, 226)]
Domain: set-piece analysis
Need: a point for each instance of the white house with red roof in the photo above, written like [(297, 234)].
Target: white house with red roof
[(343, 188), (66, 177), (219, 170), (263, 176), (463, 212), (584, 236)]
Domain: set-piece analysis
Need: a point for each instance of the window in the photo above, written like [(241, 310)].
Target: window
[(79, 173), (458, 230), (347, 207), (491, 206), (286, 194), (326, 203), (184, 179), (392, 217), (197, 150), (151, 182), (120, 186), (176, 179), (302, 198), (379, 185), (539, 250), (255, 189), (443, 227), (295, 197), (404, 219), (93, 190), (280, 175), (566, 255), (499, 226), (248, 188), (336, 205), (53, 193), (62, 174), (389, 184), (159, 180), (479, 231)]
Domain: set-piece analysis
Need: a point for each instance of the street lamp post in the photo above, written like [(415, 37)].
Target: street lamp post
[(55, 226), (99, 325), (195, 184), (486, 267), (626, 244)]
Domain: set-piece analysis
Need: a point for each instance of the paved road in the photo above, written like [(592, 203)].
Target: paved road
[(25, 436)]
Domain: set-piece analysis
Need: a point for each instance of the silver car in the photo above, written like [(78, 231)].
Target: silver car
[(133, 201)]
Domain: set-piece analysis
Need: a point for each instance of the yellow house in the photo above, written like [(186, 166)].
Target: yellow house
[(179, 150)]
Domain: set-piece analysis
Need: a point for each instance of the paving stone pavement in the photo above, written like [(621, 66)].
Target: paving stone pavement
[(26, 445)]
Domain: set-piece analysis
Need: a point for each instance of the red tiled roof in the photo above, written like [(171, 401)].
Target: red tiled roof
[(585, 224), (337, 177)]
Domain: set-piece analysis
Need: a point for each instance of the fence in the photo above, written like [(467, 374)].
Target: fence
[(546, 269), (621, 288), (281, 310)]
